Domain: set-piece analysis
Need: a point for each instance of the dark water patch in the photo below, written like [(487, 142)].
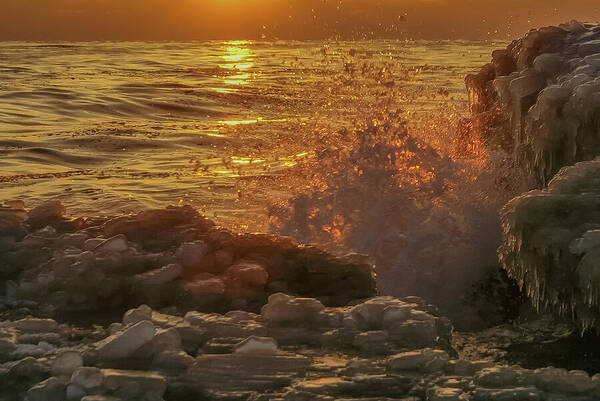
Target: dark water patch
[(52, 157), (109, 143)]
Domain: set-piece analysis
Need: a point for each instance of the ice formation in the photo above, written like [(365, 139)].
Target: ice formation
[(551, 243), (540, 98), (164, 257)]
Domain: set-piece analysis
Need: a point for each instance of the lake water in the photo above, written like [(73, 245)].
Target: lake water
[(117, 127)]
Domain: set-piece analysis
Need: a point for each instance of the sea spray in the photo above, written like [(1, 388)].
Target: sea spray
[(428, 216)]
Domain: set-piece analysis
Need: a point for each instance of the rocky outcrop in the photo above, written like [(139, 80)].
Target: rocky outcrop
[(551, 243), (540, 98), (170, 257), (157, 356)]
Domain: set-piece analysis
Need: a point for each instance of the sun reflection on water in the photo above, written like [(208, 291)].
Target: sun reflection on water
[(237, 57)]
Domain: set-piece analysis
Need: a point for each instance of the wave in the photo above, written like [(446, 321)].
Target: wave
[(428, 217)]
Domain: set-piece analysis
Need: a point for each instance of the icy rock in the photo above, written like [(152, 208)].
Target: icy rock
[(503, 62), (414, 332), (460, 367), (51, 389), (283, 309), (549, 64), (125, 343), (75, 392), (160, 276), (222, 326), (166, 340), (87, 377), (31, 324), (256, 345), (173, 360), (248, 273), (214, 286), (496, 377), (588, 48), (191, 337), (75, 240), (30, 368), (589, 241), (191, 254), (563, 382), (573, 26), (96, 397), (447, 394), (394, 314), (526, 85), (116, 327), (118, 243), (29, 350), (36, 338), (545, 247), (92, 243), (247, 372), (223, 259), (372, 342), (593, 60), (47, 214), (146, 382), (510, 394), (66, 363), (369, 314), (142, 312), (424, 360), (587, 69), (544, 133)]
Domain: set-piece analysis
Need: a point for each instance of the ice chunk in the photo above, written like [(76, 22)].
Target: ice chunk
[(125, 343)]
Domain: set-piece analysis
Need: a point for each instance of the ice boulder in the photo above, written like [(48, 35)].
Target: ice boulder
[(551, 243), (543, 129), (124, 344)]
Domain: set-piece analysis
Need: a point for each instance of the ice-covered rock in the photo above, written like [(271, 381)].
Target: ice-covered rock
[(283, 309), (545, 130), (125, 343), (36, 325), (138, 382), (75, 393), (118, 243), (160, 276), (588, 48), (51, 389), (191, 254), (508, 394), (248, 273), (501, 376), (142, 312), (256, 345), (550, 243), (561, 381), (447, 394), (50, 213), (424, 360), (166, 340), (87, 377), (173, 360), (213, 285), (248, 372), (66, 363)]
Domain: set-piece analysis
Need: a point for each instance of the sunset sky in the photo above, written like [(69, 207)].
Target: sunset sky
[(284, 19)]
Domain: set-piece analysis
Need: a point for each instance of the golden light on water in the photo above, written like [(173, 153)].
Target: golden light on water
[(237, 57)]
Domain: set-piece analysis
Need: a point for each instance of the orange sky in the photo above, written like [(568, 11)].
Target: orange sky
[(285, 19)]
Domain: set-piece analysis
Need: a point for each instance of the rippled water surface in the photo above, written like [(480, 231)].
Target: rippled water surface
[(115, 127)]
